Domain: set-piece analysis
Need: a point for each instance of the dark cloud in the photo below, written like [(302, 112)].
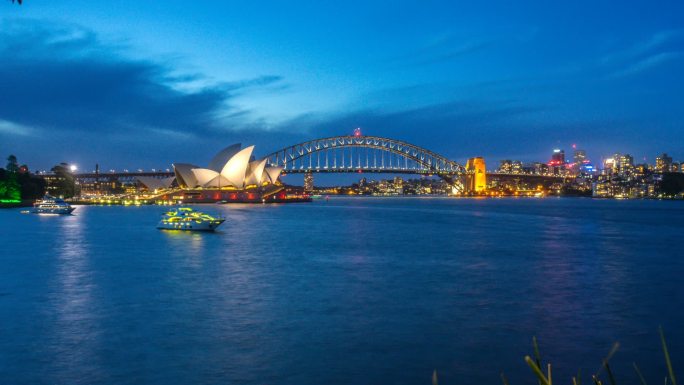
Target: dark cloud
[(63, 78), (65, 94)]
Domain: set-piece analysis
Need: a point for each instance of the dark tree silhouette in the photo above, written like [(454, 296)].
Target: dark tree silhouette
[(12, 165), (66, 183)]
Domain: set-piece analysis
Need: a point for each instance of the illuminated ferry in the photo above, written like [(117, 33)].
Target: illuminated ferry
[(185, 218), (52, 205)]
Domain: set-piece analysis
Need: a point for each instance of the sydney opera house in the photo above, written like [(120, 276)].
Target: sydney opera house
[(232, 174)]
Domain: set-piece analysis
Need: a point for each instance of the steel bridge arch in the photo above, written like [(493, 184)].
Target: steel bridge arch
[(429, 162)]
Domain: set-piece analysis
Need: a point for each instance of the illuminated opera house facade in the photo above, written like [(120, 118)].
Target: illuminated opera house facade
[(232, 174)]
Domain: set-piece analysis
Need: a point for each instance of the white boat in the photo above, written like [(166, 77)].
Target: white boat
[(185, 218), (52, 205)]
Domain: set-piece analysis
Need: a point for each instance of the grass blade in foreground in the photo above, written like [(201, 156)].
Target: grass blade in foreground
[(667, 357), (537, 370), (641, 376)]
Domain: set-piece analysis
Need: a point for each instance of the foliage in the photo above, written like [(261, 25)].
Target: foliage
[(65, 185), (546, 378), (12, 165), (543, 373), (672, 183), (16, 183), (10, 190)]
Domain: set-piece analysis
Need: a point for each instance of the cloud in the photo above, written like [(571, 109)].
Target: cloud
[(442, 48), (452, 53), (659, 48), (14, 129), (648, 62), (644, 47), (61, 78)]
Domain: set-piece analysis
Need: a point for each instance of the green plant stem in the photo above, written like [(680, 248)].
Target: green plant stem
[(536, 370), (638, 372), (668, 362)]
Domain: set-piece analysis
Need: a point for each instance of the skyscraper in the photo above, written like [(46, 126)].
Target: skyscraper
[(625, 163), (558, 156), (579, 157), (663, 163), (578, 160), (505, 166), (557, 162)]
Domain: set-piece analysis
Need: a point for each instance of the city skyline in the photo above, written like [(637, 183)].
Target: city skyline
[(92, 84)]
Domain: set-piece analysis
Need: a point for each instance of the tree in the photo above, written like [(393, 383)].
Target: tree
[(9, 188), (12, 165), (672, 183), (66, 183), (17, 183)]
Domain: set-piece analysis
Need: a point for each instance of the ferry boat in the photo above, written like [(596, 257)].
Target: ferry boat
[(52, 205), (185, 218)]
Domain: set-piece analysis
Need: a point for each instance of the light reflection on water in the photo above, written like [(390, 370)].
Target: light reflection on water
[(344, 291), (76, 329)]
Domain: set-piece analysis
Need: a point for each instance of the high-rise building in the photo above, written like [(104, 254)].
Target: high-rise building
[(308, 182), (540, 168), (557, 162), (663, 163), (476, 179), (579, 158), (622, 164), (641, 168), (505, 166), (609, 166), (558, 156), (508, 166), (625, 163)]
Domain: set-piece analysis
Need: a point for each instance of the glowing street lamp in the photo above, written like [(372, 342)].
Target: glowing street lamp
[(73, 168)]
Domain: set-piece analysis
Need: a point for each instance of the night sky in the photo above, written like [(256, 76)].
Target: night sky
[(143, 84)]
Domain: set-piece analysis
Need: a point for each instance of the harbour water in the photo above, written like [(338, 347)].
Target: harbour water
[(345, 291)]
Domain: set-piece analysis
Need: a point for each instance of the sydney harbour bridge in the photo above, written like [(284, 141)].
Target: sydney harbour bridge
[(357, 153), (344, 154)]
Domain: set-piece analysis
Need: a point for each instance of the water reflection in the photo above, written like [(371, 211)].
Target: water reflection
[(76, 332), (350, 291), (187, 243)]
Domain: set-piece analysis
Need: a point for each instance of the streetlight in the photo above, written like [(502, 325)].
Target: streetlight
[(73, 168)]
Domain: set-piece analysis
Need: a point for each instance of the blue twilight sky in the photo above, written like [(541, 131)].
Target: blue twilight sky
[(142, 84)]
